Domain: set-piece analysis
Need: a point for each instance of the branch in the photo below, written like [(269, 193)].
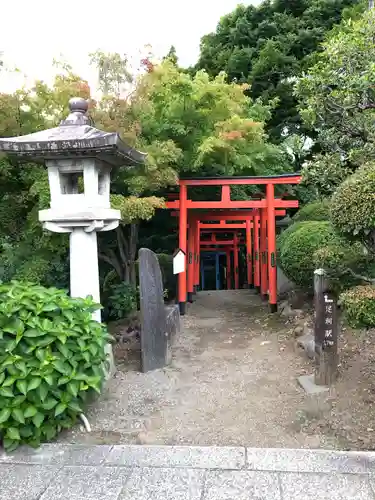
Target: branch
[(122, 245), (360, 277), (133, 239), (112, 261)]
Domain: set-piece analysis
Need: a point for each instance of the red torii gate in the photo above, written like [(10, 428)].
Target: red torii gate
[(196, 227), (248, 216), (263, 221)]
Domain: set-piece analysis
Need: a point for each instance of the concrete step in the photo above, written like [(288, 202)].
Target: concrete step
[(197, 457)]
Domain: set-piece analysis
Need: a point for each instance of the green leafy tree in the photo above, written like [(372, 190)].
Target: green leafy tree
[(338, 102), (172, 55), (268, 46), (27, 251), (113, 71)]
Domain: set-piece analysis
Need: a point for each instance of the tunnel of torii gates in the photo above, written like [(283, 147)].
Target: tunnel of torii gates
[(255, 217)]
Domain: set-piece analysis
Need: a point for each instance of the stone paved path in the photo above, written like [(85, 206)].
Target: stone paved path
[(233, 380), (77, 472)]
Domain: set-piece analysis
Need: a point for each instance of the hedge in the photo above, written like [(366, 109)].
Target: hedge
[(353, 205), (298, 245), (318, 210)]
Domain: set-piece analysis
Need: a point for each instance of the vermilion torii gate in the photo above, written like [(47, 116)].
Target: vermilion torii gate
[(201, 228), (259, 216)]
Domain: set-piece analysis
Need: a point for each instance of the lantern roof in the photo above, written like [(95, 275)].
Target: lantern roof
[(75, 137)]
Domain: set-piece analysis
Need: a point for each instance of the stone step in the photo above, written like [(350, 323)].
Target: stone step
[(197, 457)]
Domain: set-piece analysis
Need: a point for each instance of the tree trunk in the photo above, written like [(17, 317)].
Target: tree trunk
[(123, 258), (133, 242)]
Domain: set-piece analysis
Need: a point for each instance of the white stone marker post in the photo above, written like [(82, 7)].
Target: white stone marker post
[(79, 159)]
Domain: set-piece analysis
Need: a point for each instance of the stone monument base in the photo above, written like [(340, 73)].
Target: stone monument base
[(307, 382), (172, 314)]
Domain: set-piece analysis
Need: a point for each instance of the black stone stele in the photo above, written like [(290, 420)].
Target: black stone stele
[(154, 341), (74, 137)]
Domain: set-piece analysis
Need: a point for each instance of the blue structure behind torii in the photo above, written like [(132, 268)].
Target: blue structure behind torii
[(204, 262)]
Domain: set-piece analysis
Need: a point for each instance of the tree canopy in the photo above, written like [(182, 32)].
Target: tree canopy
[(338, 102), (268, 46)]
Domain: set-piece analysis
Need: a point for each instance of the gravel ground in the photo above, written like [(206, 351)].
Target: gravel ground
[(232, 382)]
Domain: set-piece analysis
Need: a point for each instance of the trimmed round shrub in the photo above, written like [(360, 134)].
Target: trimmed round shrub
[(353, 205), (298, 247), (284, 235), (52, 360), (359, 306), (318, 210), (339, 258)]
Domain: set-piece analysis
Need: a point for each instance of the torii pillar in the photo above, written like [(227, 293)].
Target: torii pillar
[(249, 255)]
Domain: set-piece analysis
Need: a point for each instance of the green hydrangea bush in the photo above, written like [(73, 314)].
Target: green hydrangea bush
[(52, 360), (359, 306)]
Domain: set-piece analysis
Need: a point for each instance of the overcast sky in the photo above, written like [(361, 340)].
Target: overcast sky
[(34, 32)]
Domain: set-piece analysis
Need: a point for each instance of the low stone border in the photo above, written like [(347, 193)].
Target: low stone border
[(197, 457)]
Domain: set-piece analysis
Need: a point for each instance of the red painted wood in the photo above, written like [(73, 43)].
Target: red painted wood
[(198, 247), (263, 254), (256, 251), (229, 270), (233, 181), (224, 215), (182, 242), (249, 256), (222, 242), (197, 254), (225, 194), (248, 204), (271, 240), (235, 263), (223, 227), (190, 258)]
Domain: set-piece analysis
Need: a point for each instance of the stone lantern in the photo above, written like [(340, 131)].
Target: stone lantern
[(79, 159)]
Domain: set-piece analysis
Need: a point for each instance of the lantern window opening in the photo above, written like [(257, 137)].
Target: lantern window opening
[(72, 183), (101, 184)]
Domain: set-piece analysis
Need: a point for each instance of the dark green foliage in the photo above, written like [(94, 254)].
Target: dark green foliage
[(284, 235), (52, 357), (353, 206), (318, 210), (268, 46), (299, 246), (359, 306), (343, 261), (169, 279), (122, 301)]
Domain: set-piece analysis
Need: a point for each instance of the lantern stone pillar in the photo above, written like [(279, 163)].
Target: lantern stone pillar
[(79, 160)]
